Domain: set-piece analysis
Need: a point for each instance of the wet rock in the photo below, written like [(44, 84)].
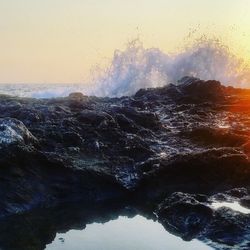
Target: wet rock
[(92, 117), (228, 230), (72, 139), (28, 116), (232, 195), (186, 141), (14, 131), (126, 124), (184, 215), (76, 96), (199, 90), (237, 192), (144, 119), (207, 171), (216, 137), (245, 201)]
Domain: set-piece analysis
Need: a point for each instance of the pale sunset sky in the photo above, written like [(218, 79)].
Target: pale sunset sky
[(59, 41)]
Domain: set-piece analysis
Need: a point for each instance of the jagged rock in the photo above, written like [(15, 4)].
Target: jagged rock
[(76, 96), (92, 117), (207, 171), (237, 192), (228, 230), (245, 201), (199, 90), (184, 215), (189, 137), (14, 131), (72, 139)]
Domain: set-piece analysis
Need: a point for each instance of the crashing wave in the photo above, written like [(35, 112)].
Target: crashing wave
[(137, 67)]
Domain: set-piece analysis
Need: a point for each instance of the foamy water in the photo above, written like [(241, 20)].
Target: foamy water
[(138, 67)]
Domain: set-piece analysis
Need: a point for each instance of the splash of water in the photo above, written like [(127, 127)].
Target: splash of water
[(137, 67)]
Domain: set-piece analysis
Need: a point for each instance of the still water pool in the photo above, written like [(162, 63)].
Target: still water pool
[(137, 233)]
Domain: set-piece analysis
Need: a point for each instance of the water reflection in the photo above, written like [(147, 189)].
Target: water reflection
[(76, 227), (124, 233)]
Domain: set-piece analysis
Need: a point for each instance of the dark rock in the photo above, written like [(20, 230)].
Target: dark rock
[(72, 139), (237, 192), (245, 201), (13, 131), (207, 171), (216, 136), (76, 96), (92, 117), (228, 230), (199, 90), (186, 141), (184, 216)]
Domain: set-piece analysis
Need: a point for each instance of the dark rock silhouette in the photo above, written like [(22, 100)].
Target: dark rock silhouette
[(191, 137)]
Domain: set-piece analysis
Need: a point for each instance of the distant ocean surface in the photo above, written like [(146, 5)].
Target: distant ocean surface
[(49, 90)]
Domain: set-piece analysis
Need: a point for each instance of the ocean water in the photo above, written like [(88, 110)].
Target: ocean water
[(49, 90)]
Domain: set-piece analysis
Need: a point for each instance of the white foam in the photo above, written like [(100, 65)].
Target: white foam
[(137, 67)]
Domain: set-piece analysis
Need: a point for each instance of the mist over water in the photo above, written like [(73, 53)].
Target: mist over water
[(137, 67)]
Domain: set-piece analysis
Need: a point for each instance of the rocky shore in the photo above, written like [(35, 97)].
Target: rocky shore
[(170, 151)]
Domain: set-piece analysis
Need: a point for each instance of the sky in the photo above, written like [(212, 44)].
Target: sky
[(60, 41)]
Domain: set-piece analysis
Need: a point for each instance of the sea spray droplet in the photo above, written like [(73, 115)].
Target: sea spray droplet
[(137, 67)]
